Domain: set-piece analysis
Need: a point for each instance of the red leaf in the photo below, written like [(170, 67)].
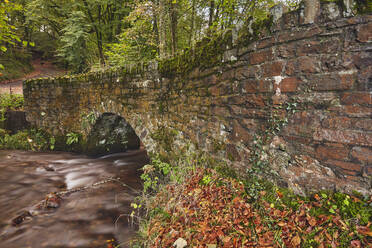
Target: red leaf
[(355, 243)]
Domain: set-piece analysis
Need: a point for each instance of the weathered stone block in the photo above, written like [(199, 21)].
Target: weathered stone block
[(365, 124), (299, 35), (325, 152), (260, 56), (330, 46), (240, 134), (333, 81), (308, 64), (365, 33), (290, 19), (286, 50), (357, 111), (255, 100), (338, 122), (247, 71), (303, 123), (311, 11), (290, 67), (266, 85), (344, 136), (362, 154), (287, 85), (363, 98), (264, 43), (347, 167), (250, 86), (272, 69)]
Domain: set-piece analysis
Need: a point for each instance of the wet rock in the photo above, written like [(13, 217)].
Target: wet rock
[(48, 168), (52, 200), (21, 218), (61, 185)]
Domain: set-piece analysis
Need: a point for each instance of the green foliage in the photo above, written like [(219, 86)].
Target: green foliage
[(164, 137), (363, 6), (88, 120), (72, 138), (52, 142), (259, 157), (207, 179), (91, 118), (292, 4), (178, 26), (90, 25), (10, 102), (348, 207), (8, 38), (45, 45), (15, 63), (8, 33), (155, 173), (74, 41), (137, 43), (33, 139)]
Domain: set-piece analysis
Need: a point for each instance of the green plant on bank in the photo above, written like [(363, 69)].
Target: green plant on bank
[(88, 120), (347, 207), (72, 138), (52, 143), (33, 139), (10, 102), (153, 173)]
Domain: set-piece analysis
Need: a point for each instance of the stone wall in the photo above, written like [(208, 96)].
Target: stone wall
[(313, 70)]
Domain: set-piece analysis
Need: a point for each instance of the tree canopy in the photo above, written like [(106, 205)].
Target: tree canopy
[(86, 34)]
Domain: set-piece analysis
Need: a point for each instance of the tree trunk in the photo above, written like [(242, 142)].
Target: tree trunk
[(191, 40), (174, 23), (162, 28), (211, 13), (97, 32), (155, 27)]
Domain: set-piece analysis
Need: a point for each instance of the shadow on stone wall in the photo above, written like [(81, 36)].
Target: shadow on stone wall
[(15, 121), (111, 134)]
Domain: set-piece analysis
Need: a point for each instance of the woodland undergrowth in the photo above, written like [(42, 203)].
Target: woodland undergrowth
[(213, 207)]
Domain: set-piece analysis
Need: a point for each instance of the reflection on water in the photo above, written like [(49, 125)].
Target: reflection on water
[(85, 218)]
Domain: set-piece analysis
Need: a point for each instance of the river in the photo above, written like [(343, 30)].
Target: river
[(32, 217)]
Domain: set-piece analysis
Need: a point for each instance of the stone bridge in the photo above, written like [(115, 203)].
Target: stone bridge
[(305, 84)]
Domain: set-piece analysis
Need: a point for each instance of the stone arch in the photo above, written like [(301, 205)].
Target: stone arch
[(136, 119), (110, 133)]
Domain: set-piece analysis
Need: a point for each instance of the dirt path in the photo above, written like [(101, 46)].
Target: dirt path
[(42, 69)]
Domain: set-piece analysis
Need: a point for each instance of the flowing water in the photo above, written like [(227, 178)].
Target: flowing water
[(31, 217)]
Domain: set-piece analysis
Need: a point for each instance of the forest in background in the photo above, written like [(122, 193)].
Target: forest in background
[(82, 35)]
